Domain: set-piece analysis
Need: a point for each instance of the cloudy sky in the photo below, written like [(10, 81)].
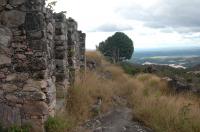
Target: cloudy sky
[(149, 23)]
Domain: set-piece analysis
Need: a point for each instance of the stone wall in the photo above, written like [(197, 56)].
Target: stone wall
[(40, 52)]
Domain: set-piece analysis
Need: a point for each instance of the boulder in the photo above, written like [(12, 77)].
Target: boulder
[(178, 84)]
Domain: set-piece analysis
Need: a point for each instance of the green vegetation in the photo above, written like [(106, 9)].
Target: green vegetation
[(117, 47), (57, 124), (129, 69), (15, 128)]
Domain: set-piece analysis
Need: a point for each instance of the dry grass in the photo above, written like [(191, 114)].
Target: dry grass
[(164, 112), (147, 95), (85, 94), (96, 56)]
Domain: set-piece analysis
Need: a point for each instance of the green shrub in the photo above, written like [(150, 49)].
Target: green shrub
[(56, 124), (130, 69)]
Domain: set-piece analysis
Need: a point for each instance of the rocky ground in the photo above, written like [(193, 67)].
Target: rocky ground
[(117, 120)]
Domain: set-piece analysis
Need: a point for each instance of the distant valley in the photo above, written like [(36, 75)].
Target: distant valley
[(178, 58)]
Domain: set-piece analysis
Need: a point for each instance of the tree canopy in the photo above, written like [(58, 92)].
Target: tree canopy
[(117, 47)]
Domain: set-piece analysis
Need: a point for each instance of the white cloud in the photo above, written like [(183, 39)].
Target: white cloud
[(156, 23)]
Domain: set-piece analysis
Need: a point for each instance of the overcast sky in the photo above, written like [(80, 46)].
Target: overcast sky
[(149, 23)]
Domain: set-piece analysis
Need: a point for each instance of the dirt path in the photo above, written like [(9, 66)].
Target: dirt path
[(117, 120)]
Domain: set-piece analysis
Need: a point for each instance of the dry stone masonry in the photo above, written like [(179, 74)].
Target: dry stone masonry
[(40, 54)]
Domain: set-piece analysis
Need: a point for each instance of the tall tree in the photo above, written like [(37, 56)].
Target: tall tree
[(117, 47)]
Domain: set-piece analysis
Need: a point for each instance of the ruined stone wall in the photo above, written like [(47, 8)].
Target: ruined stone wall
[(39, 54), (81, 50)]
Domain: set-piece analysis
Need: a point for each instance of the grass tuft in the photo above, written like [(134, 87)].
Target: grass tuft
[(58, 124)]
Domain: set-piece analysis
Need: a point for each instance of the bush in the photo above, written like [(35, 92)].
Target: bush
[(57, 124), (130, 69)]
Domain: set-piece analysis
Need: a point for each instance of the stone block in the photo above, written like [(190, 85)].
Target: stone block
[(52, 105), (61, 48), (5, 36), (22, 77), (39, 75), (13, 99), (59, 31), (21, 56), (21, 66), (34, 22), (35, 108), (9, 115), (9, 87), (51, 86), (32, 86), (38, 45), (2, 76), (35, 5), (60, 43), (2, 95), (13, 18), (16, 2), (51, 99), (60, 28), (50, 28), (36, 35), (60, 77), (60, 55), (61, 37), (37, 124), (60, 17), (38, 64), (4, 59), (43, 84), (32, 96), (3, 3), (61, 91)]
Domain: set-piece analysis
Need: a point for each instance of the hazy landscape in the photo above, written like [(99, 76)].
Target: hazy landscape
[(175, 57), (99, 66)]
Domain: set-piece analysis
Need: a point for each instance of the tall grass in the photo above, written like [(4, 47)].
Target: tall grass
[(153, 104), (149, 97)]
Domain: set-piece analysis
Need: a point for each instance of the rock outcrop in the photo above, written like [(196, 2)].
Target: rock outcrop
[(40, 54)]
